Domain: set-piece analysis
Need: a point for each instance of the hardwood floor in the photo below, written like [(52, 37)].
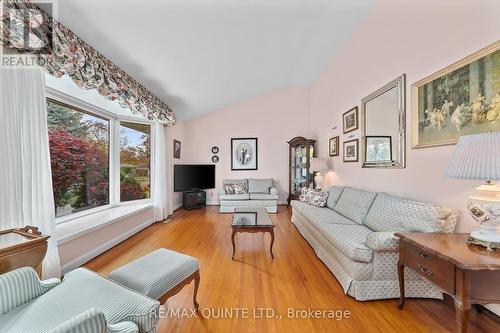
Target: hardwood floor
[(296, 279)]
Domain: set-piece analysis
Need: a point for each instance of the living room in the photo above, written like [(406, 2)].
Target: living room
[(276, 166)]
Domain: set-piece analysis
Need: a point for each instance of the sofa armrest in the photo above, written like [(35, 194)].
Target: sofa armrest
[(382, 241), (273, 191), (21, 286), (91, 321), (123, 327)]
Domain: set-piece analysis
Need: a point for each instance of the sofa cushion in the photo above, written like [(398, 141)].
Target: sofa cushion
[(334, 193), (324, 215), (354, 204), (81, 291), (263, 196), (260, 185), (382, 241), (156, 273), (244, 196), (348, 239), (390, 213)]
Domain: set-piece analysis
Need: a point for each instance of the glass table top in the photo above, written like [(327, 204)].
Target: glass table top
[(251, 217), (10, 239)]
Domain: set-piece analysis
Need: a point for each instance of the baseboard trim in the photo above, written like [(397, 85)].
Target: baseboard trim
[(179, 205), (79, 261)]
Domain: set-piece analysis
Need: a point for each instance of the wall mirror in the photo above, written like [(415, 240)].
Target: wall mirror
[(383, 114)]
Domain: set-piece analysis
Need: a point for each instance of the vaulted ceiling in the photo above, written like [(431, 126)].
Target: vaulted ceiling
[(203, 55)]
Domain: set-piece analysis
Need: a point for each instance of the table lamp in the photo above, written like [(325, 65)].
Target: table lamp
[(317, 165), (477, 157)]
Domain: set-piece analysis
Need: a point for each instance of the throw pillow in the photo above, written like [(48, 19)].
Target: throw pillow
[(235, 189), (313, 197), (304, 193), (318, 199), (239, 189), (229, 189)]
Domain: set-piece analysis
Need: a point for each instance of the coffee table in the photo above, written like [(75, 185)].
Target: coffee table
[(252, 220)]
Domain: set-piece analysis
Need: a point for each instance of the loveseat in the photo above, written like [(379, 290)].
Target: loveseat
[(257, 193), (354, 236)]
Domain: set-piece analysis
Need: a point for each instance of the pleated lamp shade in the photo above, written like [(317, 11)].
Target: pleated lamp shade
[(318, 164), (476, 157)]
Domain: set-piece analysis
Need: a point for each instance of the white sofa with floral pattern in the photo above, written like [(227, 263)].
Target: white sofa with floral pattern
[(354, 236)]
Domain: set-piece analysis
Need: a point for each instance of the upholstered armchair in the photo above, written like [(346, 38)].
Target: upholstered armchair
[(84, 302)]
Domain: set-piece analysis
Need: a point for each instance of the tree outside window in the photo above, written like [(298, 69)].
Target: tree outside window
[(135, 161), (79, 153)]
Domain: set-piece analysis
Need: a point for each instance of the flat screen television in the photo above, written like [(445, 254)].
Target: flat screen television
[(189, 177)]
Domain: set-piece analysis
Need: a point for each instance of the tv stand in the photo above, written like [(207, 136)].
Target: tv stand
[(194, 199)]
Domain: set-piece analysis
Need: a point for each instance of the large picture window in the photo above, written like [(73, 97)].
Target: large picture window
[(98, 158), (135, 170), (79, 152)]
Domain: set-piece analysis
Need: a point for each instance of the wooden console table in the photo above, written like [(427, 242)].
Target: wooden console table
[(24, 247), (468, 273)]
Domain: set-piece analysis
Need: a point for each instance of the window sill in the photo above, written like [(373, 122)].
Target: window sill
[(83, 225)]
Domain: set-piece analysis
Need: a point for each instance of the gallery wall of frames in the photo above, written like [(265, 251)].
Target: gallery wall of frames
[(460, 99)]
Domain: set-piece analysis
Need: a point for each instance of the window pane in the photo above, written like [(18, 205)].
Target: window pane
[(135, 148), (79, 153)]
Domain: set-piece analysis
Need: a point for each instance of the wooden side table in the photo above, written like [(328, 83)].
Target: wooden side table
[(468, 273), (24, 247)]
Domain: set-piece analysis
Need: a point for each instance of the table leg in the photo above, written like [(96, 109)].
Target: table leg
[(462, 310), (232, 241), (401, 276), (462, 300), (196, 285), (272, 242)]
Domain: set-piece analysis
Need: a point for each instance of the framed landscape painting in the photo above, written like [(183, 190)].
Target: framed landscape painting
[(461, 99), (244, 154)]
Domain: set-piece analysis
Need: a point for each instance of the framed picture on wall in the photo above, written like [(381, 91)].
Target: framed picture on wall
[(350, 120), (351, 151), (333, 146), (177, 149), (461, 99), (244, 154), (378, 149)]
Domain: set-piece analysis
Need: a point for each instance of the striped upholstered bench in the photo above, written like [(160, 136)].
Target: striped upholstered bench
[(159, 275)]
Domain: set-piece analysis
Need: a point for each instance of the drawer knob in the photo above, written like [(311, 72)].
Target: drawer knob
[(425, 256), (425, 270)]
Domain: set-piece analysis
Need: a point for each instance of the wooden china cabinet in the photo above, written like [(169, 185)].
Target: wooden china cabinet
[(301, 150)]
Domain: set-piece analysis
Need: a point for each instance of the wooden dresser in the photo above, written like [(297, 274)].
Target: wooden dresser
[(24, 247), (468, 273)]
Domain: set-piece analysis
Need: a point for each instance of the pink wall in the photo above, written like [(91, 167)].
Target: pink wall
[(273, 118), (416, 38)]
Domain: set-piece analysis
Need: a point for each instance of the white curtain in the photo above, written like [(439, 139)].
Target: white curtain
[(26, 196), (162, 187)]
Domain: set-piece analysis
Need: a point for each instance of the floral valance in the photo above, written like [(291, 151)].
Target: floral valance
[(60, 52)]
